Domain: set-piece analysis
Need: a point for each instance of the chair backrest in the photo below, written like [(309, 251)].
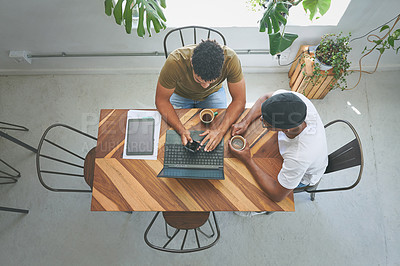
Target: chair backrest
[(347, 156), (186, 37), (56, 161), (186, 237)]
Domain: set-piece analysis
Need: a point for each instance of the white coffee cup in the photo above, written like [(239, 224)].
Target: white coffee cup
[(238, 142), (207, 116)]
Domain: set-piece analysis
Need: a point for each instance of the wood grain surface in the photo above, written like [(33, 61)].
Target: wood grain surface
[(132, 185)]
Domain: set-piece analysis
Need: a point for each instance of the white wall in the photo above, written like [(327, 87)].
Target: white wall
[(76, 26)]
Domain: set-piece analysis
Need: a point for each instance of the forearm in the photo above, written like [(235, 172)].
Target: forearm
[(266, 182), (169, 115), (231, 115)]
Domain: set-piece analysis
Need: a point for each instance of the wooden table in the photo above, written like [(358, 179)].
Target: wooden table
[(132, 185)]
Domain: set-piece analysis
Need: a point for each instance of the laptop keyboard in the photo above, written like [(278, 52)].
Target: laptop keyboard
[(176, 154)]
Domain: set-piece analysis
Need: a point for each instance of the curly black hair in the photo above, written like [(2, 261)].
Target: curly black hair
[(207, 60)]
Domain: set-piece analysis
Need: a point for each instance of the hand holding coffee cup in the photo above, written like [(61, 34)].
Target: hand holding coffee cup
[(238, 142), (207, 115)]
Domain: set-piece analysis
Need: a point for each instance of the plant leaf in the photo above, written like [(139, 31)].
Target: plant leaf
[(314, 6), (274, 13), (140, 29), (384, 27), (148, 23), (279, 43), (108, 5), (158, 9), (128, 16), (391, 41), (118, 12), (396, 33), (163, 3)]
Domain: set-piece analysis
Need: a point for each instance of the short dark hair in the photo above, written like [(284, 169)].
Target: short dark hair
[(207, 60)]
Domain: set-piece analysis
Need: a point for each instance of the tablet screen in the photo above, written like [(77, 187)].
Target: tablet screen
[(140, 136)]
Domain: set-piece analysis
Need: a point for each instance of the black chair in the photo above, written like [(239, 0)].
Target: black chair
[(79, 166), (348, 156), (8, 126), (190, 223), (185, 33), (9, 178), (5, 176)]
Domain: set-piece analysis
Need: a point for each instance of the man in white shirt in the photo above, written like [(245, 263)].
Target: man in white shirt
[(301, 139)]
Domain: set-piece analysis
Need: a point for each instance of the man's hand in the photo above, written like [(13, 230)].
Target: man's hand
[(185, 137), (243, 155), (213, 136), (239, 128)]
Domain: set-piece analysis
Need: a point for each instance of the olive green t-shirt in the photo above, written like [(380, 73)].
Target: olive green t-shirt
[(177, 73)]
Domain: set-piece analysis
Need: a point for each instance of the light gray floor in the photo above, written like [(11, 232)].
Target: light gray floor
[(357, 227)]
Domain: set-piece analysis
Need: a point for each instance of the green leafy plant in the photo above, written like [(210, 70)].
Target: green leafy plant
[(149, 10), (386, 42), (332, 51), (275, 18), (381, 43)]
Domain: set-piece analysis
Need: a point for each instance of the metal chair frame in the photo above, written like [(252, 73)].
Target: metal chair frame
[(177, 230), (15, 140), (39, 155), (12, 177), (13, 127), (345, 150), (194, 35), (7, 209)]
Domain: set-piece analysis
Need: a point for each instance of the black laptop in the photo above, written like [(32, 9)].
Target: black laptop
[(182, 163)]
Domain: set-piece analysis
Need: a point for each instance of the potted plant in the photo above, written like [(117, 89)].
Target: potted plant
[(330, 57), (275, 18), (126, 11)]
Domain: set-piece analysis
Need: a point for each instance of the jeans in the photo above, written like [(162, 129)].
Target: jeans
[(214, 100), (301, 185)]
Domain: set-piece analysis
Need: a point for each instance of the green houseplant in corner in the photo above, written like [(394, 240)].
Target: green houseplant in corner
[(149, 10), (331, 53), (275, 16)]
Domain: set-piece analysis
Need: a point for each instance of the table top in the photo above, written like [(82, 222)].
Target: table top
[(132, 185)]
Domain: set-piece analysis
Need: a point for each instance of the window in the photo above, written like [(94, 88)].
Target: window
[(237, 13)]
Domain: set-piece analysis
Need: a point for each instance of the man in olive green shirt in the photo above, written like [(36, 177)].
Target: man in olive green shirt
[(192, 77)]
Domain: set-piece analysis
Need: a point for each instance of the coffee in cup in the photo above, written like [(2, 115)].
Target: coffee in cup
[(238, 142), (207, 116)]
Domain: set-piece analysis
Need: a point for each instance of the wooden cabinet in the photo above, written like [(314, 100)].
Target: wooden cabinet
[(301, 74)]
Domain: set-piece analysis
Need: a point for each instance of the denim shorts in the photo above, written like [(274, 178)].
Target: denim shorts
[(214, 100)]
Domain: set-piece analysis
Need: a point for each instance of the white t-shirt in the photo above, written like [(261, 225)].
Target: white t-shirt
[(305, 157)]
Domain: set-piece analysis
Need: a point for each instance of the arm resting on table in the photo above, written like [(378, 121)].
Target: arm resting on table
[(268, 184)]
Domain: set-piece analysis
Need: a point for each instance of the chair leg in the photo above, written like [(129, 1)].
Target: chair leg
[(166, 230), (12, 178), (13, 210), (212, 229), (312, 195)]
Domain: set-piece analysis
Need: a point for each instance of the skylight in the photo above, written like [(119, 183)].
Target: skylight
[(237, 13)]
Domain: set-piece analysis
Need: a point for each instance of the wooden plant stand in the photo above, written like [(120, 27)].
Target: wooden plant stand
[(300, 75)]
